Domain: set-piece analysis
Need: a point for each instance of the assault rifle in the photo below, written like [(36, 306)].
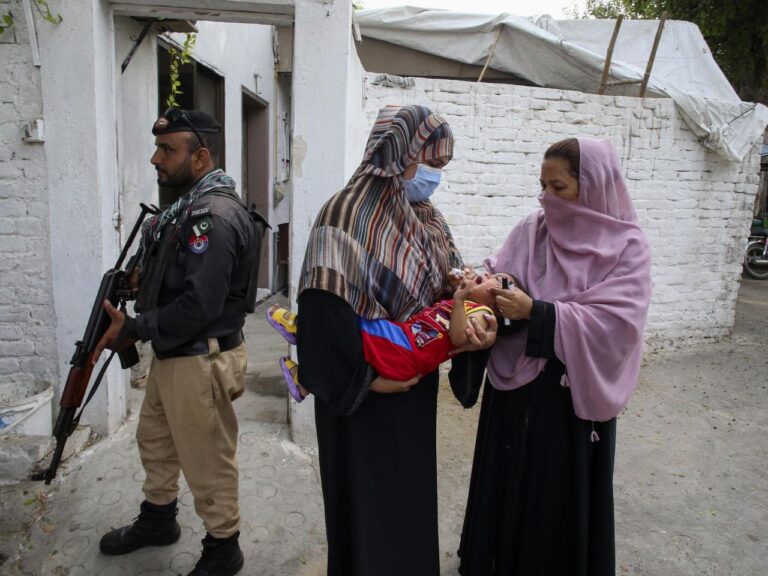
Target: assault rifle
[(115, 287)]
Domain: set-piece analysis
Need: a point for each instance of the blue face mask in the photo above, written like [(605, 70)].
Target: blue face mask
[(423, 184)]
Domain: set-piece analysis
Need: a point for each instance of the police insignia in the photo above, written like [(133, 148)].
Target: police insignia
[(202, 226), (161, 124), (198, 244)]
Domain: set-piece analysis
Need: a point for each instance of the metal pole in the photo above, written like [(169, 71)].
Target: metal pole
[(609, 55), (493, 50), (652, 57), (136, 44)]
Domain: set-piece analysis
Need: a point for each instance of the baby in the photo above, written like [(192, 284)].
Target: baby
[(401, 351)]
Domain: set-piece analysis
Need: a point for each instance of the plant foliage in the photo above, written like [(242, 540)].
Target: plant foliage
[(179, 57), (42, 8)]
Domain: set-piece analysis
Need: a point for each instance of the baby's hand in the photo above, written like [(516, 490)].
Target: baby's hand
[(464, 290), (453, 279), (468, 273)]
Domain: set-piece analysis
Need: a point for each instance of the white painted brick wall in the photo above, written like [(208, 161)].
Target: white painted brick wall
[(694, 206), (27, 332)]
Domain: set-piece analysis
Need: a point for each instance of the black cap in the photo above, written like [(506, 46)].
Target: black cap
[(179, 120)]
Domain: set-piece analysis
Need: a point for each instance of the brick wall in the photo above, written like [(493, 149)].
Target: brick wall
[(27, 332), (694, 206)]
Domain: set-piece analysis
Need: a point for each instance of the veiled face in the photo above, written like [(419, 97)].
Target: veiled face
[(410, 170), (557, 179)]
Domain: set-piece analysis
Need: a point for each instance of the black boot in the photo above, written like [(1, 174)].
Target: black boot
[(154, 526), (221, 557)]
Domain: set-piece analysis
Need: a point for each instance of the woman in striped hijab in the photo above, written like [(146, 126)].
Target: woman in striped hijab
[(372, 254)]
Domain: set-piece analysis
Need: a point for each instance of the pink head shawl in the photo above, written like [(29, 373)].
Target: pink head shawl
[(592, 260)]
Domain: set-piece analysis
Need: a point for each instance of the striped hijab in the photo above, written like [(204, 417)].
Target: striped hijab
[(369, 246)]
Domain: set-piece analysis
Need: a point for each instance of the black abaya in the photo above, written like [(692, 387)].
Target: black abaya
[(377, 451), (541, 492)]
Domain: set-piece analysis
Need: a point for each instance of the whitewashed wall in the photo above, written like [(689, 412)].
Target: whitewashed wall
[(694, 206), (137, 91), (356, 115), (79, 108), (27, 326), (327, 112)]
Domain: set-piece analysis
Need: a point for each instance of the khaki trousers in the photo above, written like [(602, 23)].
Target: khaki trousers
[(187, 423)]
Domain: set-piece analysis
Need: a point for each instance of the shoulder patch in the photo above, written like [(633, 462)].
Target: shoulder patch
[(201, 211), (198, 244), (202, 226)]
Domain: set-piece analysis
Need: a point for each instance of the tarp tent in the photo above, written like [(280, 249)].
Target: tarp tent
[(570, 54)]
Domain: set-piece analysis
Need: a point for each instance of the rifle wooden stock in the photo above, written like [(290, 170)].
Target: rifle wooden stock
[(74, 389)]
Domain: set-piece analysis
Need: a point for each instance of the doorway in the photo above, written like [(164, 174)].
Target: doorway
[(255, 176)]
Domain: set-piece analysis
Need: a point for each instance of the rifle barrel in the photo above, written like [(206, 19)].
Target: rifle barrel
[(136, 227), (61, 431)]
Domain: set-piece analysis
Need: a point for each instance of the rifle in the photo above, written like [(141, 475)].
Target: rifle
[(114, 287)]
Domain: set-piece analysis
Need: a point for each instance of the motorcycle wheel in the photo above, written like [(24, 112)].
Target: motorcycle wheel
[(755, 250)]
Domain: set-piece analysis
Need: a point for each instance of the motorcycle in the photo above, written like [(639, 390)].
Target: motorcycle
[(756, 254)]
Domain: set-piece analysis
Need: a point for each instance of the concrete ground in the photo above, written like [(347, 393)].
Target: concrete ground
[(691, 475)]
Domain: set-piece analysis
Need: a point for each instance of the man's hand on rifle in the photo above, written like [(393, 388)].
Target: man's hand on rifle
[(114, 338)]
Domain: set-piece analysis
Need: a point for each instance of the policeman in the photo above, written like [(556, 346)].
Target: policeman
[(198, 262)]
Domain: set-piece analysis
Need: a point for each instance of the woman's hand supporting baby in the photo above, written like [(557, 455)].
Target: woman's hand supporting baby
[(477, 337)]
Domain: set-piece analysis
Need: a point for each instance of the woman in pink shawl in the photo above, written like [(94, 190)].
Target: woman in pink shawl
[(541, 494)]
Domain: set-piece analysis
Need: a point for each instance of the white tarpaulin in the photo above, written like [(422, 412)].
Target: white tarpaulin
[(569, 55)]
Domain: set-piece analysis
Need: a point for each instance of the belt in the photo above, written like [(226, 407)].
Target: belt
[(229, 342), (195, 347)]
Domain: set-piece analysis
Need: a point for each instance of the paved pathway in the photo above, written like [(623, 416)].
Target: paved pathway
[(691, 482)]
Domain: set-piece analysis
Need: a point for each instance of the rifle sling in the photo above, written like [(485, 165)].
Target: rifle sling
[(94, 387)]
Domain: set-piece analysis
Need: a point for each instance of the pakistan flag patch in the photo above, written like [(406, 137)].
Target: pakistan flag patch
[(203, 226)]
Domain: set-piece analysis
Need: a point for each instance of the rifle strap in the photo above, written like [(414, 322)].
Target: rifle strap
[(94, 387)]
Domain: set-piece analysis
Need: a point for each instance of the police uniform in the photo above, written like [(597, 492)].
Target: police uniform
[(187, 420), (197, 282)]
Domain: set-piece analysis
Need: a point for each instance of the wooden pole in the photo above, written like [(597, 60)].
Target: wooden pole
[(652, 57), (493, 50), (609, 55)]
